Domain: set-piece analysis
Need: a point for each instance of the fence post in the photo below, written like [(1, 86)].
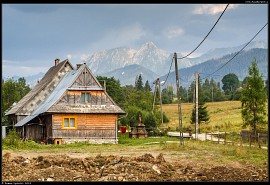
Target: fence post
[(218, 138), (211, 136), (259, 140), (249, 138), (205, 136), (225, 138), (233, 139), (241, 144)]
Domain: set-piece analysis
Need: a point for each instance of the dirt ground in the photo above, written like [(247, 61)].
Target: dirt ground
[(114, 167)]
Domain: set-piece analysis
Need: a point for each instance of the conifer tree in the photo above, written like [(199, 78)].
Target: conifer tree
[(139, 83), (203, 115), (254, 99)]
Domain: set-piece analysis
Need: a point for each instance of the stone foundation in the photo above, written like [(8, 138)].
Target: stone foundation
[(92, 141)]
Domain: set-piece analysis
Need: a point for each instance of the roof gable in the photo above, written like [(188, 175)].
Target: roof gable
[(71, 102), (41, 90), (85, 78)]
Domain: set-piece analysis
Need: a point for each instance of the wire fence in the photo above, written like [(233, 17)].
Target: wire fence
[(242, 139)]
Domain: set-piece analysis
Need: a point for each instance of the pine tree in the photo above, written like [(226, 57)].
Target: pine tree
[(203, 115), (254, 99), (139, 83), (147, 86)]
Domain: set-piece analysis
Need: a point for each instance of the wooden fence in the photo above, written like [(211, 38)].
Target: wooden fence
[(244, 138)]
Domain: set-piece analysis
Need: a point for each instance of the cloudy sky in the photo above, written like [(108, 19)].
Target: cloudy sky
[(33, 35)]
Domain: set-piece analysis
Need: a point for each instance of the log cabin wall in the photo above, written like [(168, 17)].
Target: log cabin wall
[(48, 126), (34, 132), (93, 128)]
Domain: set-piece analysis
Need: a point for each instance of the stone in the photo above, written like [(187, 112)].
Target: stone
[(154, 167), (120, 178), (49, 179)]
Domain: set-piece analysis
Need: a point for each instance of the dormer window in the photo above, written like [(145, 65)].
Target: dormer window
[(86, 97)]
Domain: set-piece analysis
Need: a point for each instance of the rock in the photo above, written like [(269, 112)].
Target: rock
[(154, 167), (25, 162), (49, 179), (203, 178), (120, 178)]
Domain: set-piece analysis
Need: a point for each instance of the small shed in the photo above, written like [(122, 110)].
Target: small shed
[(139, 130)]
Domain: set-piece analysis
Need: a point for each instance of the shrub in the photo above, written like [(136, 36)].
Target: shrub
[(12, 139)]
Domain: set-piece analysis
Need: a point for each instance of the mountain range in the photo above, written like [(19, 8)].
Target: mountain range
[(218, 68), (151, 62)]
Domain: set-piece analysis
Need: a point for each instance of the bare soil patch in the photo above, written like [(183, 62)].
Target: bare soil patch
[(32, 167)]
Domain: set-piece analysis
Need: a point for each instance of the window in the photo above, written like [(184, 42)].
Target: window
[(69, 122), (86, 97)]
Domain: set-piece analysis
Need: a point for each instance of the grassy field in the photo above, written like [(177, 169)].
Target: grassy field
[(224, 116)]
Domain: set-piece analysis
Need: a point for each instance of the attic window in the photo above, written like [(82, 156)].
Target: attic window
[(86, 97)]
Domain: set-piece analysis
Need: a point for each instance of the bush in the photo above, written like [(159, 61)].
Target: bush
[(156, 132), (165, 118), (12, 139), (149, 120)]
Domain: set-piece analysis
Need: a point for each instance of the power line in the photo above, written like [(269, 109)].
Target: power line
[(206, 35), (168, 73), (197, 46), (237, 52)]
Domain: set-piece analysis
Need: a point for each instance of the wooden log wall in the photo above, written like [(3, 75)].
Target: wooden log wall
[(34, 132), (87, 126)]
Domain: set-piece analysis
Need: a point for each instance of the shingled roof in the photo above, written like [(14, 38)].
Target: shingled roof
[(50, 104), (48, 77)]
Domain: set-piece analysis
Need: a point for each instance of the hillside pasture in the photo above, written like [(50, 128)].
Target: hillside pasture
[(225, 116)]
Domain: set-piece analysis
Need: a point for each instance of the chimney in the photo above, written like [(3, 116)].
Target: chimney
[(78, 66), (57, 61)]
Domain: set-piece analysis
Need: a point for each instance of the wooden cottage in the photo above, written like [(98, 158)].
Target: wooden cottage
[(67, 105)]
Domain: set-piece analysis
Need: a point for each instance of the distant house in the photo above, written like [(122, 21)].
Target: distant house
[(68, 104)]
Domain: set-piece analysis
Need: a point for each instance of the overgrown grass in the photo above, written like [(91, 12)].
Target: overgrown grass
[(124, 140), (203, 150)]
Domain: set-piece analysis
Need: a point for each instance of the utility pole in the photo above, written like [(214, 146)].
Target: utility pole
[(194, 91), (105, 85), (187, 96), (212, 94), (158, 81), (179, 100), (155, 92), (197, 112)]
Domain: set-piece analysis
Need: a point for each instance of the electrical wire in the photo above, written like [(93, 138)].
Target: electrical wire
[(197, 46), (168, 73), (206, 35), (237, 52)]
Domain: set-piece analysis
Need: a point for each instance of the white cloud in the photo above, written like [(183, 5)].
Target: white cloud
[(10, 70), (69, 56), (118, 37), (173, 32), (212, 9)]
